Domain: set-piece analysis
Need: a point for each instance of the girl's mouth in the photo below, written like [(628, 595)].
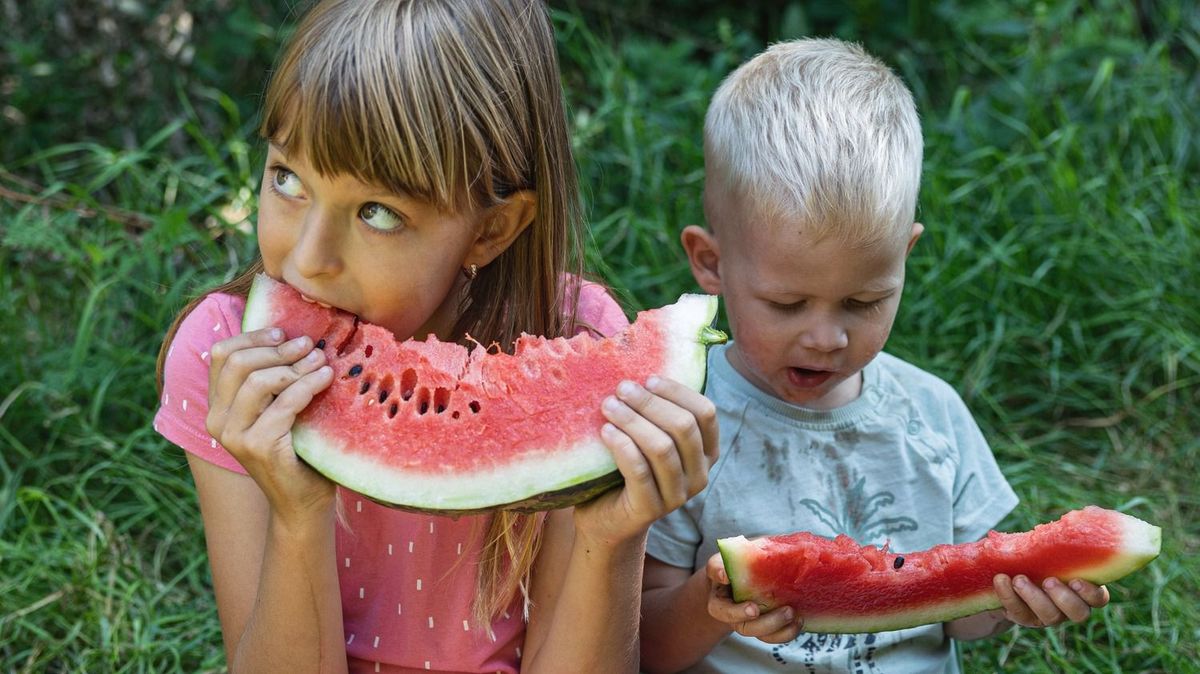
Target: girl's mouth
[(805, 378), (306, 298)]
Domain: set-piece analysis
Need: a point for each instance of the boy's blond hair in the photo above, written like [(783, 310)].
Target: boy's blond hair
[(820, 132)]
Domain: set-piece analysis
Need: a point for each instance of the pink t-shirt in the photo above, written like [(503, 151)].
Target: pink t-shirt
[(407, 580)]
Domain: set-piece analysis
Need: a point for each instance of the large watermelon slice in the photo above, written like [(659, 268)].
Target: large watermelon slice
[(432, 426), (838, 586)]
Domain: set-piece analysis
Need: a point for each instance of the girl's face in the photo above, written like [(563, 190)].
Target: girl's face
[(391, 259)]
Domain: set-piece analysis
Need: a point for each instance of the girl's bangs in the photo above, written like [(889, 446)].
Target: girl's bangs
[(360, 112)]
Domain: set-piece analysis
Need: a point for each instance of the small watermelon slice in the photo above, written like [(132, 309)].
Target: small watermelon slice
[(837, 586), (434, 427)]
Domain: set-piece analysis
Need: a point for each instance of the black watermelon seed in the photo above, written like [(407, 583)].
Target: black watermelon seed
[(383, 396), (320, 344), (392, 411), (356, 370), (366, 386), (898, 563), (424, 408)]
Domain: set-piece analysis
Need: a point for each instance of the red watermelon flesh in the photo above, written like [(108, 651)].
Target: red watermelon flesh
[(839, 586), (433, 426)]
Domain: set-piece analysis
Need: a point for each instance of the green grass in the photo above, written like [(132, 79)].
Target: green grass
[(1054, 287)]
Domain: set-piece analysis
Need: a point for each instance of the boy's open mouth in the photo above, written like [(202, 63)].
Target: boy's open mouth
[(805, 378)]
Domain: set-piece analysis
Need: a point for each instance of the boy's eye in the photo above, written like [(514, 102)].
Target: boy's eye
[(787, 307), (287, 183), (860, 304), (380, 217)]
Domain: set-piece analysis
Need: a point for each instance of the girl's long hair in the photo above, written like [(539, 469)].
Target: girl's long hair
[(459, 103)]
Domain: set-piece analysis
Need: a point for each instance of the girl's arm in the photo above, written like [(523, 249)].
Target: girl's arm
[(587, 581), (276, 583), (270, 535)]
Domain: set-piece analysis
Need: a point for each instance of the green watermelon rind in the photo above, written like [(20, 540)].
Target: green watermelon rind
[(1141, 543), (586, 469)]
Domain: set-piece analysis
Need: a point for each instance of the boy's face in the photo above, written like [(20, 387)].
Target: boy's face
[(807, 315)]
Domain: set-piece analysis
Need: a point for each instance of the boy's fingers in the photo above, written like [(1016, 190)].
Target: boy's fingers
[(783, 635), (1038, 601), (1066, 601), (1014, 606), (773, 621), (715, 569), (1095, 595)]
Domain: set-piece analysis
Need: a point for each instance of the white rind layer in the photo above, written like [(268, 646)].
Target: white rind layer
[(524, 477)]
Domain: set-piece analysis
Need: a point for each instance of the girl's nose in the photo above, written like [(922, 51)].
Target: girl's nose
[(318, 248)]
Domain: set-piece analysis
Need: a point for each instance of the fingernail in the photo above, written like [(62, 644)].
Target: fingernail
[(314, 355), (1077, 586), (751, 610), (1050, 582), (626, 388), (789, 615), (653, 382), (276, 334), (611, 404), (1021, 581)]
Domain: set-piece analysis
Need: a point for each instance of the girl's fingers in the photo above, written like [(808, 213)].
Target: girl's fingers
[(696, 458), (277, 419), (715, 570), (234, 359), (640, 491), (257, 392), (656, 445)]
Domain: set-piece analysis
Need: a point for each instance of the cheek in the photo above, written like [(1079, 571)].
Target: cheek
[(274, 240)]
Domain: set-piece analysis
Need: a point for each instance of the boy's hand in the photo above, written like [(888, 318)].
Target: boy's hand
[(663, 437), (776, 626), (1053, 603)]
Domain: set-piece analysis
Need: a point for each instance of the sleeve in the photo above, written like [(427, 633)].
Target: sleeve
[(598, 311), (982, 496), (675, 538), (184, 404)]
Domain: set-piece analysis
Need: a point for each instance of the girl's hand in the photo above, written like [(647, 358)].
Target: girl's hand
[(776, 626), (663, 437), (257, 384), (1054, 602)]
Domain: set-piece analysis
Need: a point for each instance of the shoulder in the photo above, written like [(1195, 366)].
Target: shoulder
[(902, 376), (216, 317), (596, 310)]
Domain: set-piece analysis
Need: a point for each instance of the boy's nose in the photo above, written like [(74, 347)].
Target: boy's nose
[(824, 336), (317, 249)]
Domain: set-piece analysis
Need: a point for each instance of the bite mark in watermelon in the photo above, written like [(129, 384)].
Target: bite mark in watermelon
[(434, 427), (838, 586)]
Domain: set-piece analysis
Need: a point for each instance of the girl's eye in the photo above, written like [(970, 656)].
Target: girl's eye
[(380, 217), (287, 183)]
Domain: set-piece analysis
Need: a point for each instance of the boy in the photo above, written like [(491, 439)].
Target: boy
[(813, 159)]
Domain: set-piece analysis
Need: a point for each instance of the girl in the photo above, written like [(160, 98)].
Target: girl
[(419, 174)]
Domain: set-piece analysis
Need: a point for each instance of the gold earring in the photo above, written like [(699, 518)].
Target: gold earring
[(470, 271)]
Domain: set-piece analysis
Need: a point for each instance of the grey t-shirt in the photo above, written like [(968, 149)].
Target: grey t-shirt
[(904, 464)]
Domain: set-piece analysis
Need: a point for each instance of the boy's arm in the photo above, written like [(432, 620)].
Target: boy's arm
[(677, 630)]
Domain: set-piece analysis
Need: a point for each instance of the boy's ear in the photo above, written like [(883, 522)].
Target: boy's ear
[(917, 228), (704, 255), (501, 226)]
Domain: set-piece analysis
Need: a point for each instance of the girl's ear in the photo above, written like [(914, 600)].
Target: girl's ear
[(704, 255), (501, 226)]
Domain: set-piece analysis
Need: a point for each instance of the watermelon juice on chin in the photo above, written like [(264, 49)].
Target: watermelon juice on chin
[(432, 426)]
